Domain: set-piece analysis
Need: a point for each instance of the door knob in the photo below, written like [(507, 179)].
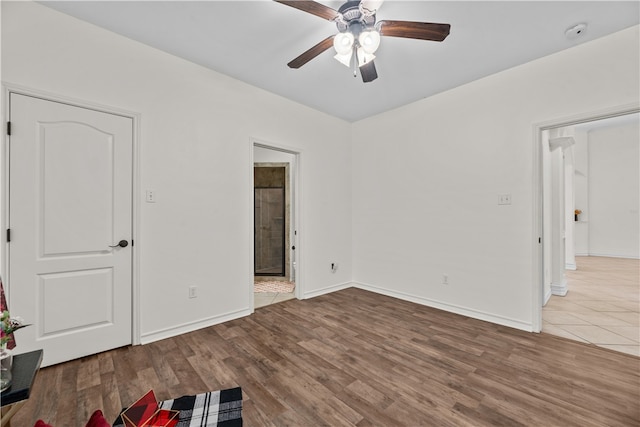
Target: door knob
[(121, 243)]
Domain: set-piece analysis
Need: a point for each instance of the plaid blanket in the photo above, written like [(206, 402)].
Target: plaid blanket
[(222, 408)]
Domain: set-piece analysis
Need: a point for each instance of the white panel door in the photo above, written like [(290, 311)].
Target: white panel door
[(70, 202)]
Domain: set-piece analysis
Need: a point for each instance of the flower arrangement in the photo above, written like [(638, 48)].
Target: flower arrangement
[(9, 325)]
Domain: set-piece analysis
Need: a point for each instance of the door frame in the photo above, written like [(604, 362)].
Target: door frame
[(287, 215), (296, 240), (538, 212), (9, 88)]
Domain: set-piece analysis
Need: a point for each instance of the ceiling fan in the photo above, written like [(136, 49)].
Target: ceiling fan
[(359, 34)]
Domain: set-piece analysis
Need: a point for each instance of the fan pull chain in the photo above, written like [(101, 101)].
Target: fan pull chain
[(354, 59)]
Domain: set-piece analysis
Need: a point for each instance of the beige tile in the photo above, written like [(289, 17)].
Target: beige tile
[(630, 332), (600, 306), (563, 318), (559, 332), (283, 297), (602, 319), (262, 299), (633, 319), (632, 306), (633, 350), (597, 335), (560, 303)]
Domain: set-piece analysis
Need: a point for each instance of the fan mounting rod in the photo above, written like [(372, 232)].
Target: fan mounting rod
[(350, 14)]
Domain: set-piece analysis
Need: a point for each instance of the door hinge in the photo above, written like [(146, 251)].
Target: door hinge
[(8, 235), (131, 242), (8, 128), (539, 239)]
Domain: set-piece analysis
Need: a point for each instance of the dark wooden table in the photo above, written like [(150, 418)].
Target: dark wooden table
[(24, 369)]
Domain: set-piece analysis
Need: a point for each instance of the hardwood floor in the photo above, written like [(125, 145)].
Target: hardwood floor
[(357, 358)]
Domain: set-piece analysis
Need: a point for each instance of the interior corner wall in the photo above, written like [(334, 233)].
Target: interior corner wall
[(614, 189), (195, 152), (427, 176)]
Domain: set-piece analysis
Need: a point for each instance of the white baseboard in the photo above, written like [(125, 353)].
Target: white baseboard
[(559, 289), (569, 266), (614, 255), (547, 297), (173, 331), (464, 311), (327, 290)]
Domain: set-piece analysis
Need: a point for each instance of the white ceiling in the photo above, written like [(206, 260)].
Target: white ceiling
[(254, 40)]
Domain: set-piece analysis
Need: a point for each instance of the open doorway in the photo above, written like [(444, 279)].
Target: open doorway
[(591, 244), (274, 173)]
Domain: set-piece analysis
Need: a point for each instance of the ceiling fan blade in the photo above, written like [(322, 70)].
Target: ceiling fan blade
[(368, 72), (414, 30), (312, 7), (312, 53)]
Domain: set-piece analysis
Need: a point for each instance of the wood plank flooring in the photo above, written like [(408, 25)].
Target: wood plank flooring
[(355, 358)]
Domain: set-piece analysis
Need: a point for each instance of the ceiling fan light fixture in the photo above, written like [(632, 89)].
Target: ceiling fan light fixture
[(343, 43), (369, 7), (344, 58), (369, 40), (364, 57), (359, 33)]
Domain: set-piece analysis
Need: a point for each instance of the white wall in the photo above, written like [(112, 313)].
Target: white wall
[(614, 189), (195, 152), (425, 177), (581, 191), (426, 180)]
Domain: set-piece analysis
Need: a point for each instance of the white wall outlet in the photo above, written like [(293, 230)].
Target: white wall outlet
[(445, 279), (193, 291), (150, 196), (504, 199)]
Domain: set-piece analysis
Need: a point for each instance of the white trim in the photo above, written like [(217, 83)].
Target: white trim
[(195, 325), (8, 88), (570, 266), (537, 274), (559, 289), (607, 255), (537, 264), (298, 239), (452, 308), (330, 289), (547, 297)]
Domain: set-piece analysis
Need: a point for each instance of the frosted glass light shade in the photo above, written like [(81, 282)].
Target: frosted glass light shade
[(344, 58), (369, 41), (364, 57), (343, 43)]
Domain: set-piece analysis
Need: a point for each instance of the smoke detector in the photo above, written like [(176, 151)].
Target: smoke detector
[(576, 31)]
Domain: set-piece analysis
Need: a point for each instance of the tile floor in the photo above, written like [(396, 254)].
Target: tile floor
[(262, 299), (602, 306)]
